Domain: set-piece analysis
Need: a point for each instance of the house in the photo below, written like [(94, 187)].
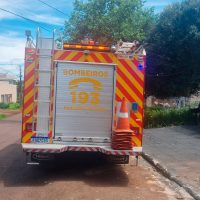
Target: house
[(8, 89)]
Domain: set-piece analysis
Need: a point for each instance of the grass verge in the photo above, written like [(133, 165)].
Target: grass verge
[(161, 117), (2, 116)]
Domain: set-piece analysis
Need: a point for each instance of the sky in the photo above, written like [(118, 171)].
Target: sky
[(12, 27)]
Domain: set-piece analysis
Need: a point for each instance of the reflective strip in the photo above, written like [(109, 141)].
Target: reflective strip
[(57, 148), (137, 149), (123, 115)]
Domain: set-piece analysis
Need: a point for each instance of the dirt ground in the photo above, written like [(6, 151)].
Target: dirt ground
[(8, 112), (79, 177)]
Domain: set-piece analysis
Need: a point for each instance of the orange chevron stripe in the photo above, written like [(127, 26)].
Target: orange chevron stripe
[(57, 54), (77, 56), (29, 68), (94, 57), (28, 95), (63, 55), (129, 92), (107, 58), (27, 137), (70, 56), (28, 83), (101, 58), (28, 88), (134, 67), (133, 80), (129, 82), (29, 75)]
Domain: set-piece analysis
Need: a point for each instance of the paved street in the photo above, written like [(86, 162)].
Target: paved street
[(178, 149), (88, 178)]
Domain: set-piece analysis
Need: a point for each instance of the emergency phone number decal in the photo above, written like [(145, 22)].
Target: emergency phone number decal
[(85, 100)]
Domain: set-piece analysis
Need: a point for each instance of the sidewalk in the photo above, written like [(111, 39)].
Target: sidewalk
[(177, 149)]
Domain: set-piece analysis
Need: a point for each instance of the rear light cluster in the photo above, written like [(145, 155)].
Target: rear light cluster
[(86, 47), (29, 127)]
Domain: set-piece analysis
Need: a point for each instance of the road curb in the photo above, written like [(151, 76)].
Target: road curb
[(163, 170)]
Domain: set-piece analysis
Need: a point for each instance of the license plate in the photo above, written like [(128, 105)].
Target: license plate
[(118, 159), (35, 139)]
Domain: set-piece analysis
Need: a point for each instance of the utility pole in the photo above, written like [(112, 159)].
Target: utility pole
[(20, 85)]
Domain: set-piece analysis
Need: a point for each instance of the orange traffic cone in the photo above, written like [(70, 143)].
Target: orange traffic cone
[(123, 120), (122, 137)]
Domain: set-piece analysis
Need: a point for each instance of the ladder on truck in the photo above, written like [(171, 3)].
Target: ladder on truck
[(42, 109)]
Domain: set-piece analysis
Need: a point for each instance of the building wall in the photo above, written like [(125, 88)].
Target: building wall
[(6, 88)]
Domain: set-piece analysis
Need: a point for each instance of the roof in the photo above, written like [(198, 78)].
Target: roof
[(6, 77)]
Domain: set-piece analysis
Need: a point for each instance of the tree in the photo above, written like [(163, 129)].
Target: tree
[(174, 51), (108, 21)]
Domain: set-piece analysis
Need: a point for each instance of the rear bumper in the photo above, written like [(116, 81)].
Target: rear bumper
[(59, 148)]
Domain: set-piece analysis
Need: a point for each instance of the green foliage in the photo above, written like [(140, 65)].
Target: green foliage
[(4, 105), (12, 106), (162, 117), (173, 51), (108, 21), (2, 116)]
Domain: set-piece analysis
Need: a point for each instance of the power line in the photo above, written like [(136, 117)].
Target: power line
[(53, 7), (30, 20)]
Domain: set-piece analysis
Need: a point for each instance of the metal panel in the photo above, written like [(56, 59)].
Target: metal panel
[(45, 43), (45, 63), (44, 78), (84, 100)]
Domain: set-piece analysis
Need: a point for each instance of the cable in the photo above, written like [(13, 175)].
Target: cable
[(53, 8), (33, 21)]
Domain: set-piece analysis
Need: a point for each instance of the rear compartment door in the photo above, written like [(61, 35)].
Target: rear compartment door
[(84, 101)]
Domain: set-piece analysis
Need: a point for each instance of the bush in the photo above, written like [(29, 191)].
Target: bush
[(14, 106), (161, 117), (4, 105)]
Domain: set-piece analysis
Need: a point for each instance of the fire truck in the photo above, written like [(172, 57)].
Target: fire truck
[(82, 97)]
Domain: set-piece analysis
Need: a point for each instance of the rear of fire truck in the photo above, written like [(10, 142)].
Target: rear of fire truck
[(82, 97)]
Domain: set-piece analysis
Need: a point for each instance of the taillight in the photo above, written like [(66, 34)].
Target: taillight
[(29, 127)]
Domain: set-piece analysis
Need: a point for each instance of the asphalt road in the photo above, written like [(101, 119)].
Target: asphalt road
[(84, 178), (178, 149)]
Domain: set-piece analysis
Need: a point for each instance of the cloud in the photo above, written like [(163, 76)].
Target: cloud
[(33, 10), (12, 48), (48, 19)]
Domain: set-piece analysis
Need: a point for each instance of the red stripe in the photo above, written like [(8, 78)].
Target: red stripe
[(94, 57), (77, 56), (28, 89), (124, 77), (64, 55), (117, 98), (134, 118), (132, 72), (28, 103), (29, 75), (107, 58)]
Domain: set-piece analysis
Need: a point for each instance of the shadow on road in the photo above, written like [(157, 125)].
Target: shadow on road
[(192, 130), (90, 169)]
